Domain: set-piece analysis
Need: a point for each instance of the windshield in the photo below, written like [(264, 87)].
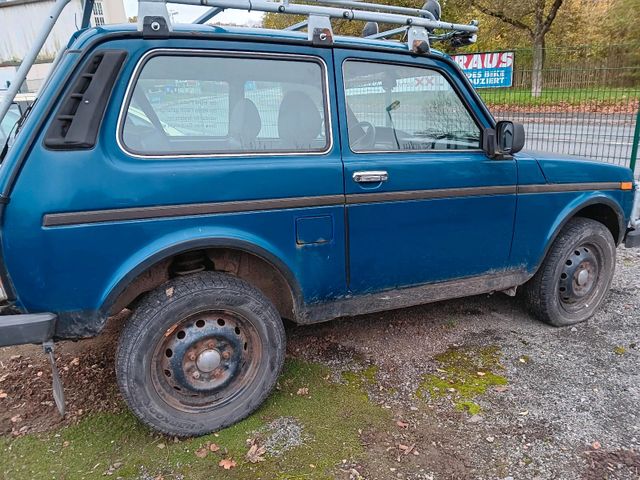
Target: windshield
[(8, 122)]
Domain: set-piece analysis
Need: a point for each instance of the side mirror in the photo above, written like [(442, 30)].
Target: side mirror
[(503, 141)]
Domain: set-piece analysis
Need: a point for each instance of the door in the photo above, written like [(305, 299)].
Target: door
[(424, 203)]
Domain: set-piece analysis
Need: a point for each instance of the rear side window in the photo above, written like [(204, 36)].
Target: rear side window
[(404, 108), (202, 104)]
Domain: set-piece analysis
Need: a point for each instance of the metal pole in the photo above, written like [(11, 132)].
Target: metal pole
[(31, 56), (208, 15), (636, 141), (414, 12)]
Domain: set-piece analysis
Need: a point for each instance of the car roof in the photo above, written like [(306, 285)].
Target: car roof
[(83, 37)]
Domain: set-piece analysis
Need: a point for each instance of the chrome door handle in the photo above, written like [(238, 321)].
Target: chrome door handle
[(370, 177)]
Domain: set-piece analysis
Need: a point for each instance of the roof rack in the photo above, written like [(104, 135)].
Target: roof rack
[(417, 24)]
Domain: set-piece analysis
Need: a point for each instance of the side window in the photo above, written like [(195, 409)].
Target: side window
[(404, 108), (8, 123), (215, 104)]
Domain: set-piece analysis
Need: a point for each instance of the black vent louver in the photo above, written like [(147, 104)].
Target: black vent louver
[(76, 123)]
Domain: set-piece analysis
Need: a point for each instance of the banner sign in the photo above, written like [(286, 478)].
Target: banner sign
[(487, 70)]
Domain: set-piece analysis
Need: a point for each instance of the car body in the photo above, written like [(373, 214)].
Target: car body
[(322, 225)]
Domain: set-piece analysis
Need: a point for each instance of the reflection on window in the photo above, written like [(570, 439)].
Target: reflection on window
[(210, 105), (394, 107), (8, 123)]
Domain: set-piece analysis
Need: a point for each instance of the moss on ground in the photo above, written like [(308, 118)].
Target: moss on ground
[(463, 374), (361, 378), (331, 415)]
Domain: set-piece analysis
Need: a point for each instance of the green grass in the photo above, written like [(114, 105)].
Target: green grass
[(571, 96), (331, 414)]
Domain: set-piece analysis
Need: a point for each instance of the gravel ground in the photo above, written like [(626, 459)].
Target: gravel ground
[(570, 409)]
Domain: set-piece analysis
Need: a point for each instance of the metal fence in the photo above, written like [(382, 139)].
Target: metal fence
[(589, 105)]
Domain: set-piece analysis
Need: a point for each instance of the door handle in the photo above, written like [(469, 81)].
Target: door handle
[(374, 176)]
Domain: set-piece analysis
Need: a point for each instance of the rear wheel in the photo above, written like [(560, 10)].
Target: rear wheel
[(576, 274), (200, 353)]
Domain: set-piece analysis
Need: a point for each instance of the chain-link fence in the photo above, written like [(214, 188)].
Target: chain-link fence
[(589, 105)]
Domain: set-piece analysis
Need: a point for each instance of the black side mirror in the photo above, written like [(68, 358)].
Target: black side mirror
[(503, 141)]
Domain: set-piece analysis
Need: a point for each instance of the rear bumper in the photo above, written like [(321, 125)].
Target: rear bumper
[(28, 328)]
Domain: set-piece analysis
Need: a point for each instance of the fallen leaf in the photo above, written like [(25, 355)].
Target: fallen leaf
[(202, 452), (227, 463), (169, 292), (16, 419), (596, 445), (3, 394), (75, 362), (214, 448), (481, 374), (303, 391), (255, 453), (161, 446), (403, 447), (524, 413), (402, 424), (65, 444)]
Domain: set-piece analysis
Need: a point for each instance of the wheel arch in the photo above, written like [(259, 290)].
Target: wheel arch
[(599, 207), (255, 263)]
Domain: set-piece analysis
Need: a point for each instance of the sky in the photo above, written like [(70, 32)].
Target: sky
[(188, 13)]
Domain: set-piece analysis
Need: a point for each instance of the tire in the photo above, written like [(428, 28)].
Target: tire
[(559, 293), (200, 353)]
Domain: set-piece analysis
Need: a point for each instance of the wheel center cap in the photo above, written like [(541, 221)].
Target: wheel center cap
[(208, 360), (583, 277)]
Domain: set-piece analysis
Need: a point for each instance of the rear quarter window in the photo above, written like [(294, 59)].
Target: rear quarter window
[(215, 104)]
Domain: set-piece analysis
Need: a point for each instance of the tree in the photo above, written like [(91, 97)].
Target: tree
[(534, 18)]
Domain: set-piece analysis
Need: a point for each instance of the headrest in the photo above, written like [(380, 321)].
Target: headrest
[(299, 121), (245, 123)]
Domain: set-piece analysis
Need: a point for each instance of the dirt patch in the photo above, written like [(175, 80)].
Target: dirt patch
[(87, 371), (612, 465)]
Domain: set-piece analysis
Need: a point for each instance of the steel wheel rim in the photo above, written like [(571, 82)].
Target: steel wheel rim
[(205, 361), (578, 285)]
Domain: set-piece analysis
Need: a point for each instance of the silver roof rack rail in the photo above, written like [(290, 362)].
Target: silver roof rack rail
[(417, 24)]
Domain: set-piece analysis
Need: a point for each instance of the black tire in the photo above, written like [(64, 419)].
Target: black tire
[(560, 294), (204, 318)]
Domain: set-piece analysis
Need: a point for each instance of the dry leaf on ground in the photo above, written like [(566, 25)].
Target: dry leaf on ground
[(255, 453), (303, 391), (227, 463), (202, 452)]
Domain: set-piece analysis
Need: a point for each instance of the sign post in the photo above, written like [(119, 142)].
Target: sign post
[(488, 69)]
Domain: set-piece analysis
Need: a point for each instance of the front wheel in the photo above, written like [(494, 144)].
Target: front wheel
[(576, 274), (200, 353)]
